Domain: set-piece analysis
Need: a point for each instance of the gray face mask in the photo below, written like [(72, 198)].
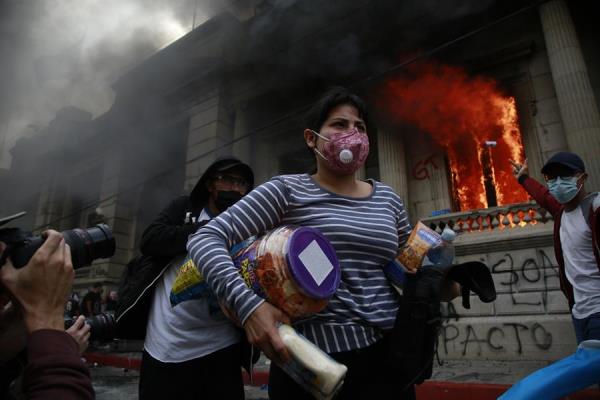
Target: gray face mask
[(564, 189)]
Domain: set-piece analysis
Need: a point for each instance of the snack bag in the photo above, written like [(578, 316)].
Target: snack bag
[(421, 239), (190, 284)]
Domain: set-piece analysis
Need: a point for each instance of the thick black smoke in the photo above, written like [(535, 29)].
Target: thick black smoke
[(57, 53)]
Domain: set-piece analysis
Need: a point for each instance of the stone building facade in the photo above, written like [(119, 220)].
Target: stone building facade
[(240, 87)]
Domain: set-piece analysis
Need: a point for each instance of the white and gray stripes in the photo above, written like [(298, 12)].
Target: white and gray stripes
[(365, 232)]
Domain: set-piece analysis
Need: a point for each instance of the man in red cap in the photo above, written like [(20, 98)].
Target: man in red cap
[(576, 235)]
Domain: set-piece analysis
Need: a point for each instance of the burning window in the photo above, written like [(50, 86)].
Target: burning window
[(473, 120)]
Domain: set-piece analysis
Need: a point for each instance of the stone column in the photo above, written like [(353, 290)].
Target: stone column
[(242, 148), (578, 107), (392, 162), (209, 137)]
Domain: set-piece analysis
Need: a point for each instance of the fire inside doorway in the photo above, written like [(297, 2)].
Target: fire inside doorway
[(473, 120)]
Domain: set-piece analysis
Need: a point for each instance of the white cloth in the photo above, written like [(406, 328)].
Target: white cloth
[(188, 330), (580, 264)]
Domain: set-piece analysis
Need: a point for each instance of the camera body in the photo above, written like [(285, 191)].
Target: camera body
[(86, 245)]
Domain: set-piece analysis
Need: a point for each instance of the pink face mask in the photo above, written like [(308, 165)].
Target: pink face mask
[(345, 152)]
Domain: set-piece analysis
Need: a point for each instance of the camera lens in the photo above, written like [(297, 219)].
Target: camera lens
[(86, 245), (89, 244), (102, 326)]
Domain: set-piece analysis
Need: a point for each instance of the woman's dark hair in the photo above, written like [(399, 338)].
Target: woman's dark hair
[(318, 113)]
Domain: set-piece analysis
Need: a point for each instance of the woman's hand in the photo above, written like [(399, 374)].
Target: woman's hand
[(230, 314), (80, 331), (261, 330)]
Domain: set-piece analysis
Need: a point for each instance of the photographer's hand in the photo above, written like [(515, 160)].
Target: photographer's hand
[(80, 331), (42, 287)]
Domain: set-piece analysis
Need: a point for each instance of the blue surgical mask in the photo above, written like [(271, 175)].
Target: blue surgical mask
[(563, 189)]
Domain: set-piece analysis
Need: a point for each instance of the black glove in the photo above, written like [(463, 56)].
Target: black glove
[(473, 276)]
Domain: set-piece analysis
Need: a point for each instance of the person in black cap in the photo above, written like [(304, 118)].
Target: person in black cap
[(576, 235), (190, 351)]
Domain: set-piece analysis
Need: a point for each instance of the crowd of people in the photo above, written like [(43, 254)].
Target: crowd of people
[(93, 303), (196, 349)]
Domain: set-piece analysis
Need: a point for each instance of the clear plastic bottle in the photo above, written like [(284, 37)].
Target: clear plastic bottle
[(442, 254)]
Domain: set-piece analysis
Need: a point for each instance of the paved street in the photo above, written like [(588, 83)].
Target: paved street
[(113, 383)]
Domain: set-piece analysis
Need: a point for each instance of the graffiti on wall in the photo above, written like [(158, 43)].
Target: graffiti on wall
[(420, 171), (534, 273), (497, 338), (529, 272)]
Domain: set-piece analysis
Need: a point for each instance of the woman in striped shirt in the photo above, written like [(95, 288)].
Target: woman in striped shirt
[(365, 221)]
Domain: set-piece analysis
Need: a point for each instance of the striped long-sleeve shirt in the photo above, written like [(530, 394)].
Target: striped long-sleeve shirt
[(365, 233)]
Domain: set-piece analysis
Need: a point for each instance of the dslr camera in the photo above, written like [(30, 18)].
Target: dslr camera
[(86, 245)]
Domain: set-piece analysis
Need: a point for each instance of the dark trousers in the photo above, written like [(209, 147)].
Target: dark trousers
[(369, 377), (587, 328), (215, 376)]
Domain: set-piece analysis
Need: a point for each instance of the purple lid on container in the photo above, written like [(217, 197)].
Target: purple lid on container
[(313, 263)]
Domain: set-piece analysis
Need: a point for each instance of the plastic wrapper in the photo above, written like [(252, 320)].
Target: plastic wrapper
[(310, 366), (189, 283), (421, 239)]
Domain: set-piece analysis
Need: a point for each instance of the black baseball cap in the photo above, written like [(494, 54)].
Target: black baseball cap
[(567, 159)]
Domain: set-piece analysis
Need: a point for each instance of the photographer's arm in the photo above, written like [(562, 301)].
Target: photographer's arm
[(54, 369), (40, 289), (167, 235)]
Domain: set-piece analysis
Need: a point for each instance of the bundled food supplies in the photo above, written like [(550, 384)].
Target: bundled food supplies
[(296, 269)]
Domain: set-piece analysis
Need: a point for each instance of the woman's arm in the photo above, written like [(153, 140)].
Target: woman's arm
[(402, 223), (257, 212)]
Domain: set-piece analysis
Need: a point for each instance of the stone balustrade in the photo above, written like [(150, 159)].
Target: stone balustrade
[(512, 216)]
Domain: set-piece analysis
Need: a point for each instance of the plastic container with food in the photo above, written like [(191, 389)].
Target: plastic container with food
[(294, 268)]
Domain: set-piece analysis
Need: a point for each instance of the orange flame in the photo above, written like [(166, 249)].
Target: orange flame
[(461, 113)]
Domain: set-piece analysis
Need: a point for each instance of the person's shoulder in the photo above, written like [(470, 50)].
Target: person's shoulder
[(387, 194), (291, 178), (385, 190), (291, 182), (596, 202), (180, 201)]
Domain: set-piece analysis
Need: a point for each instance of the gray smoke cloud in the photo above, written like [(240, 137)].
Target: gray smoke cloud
[(57, 53)]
